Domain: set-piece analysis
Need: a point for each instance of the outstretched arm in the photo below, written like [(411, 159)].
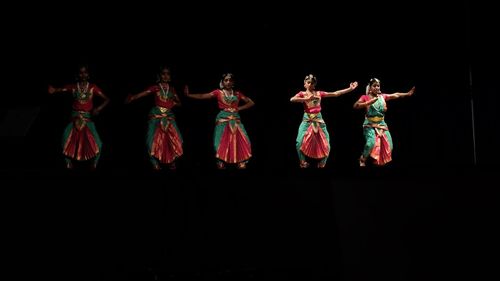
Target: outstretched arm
[(104, 104), (53, 90), (400, 95), (176, 99), (359, 104), (300, 98), (197, 96), (248, 103), (351, 87), (131, 98)]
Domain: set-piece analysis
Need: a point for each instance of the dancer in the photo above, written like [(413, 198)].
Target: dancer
[(81, 142), (163, 139), (378, 141), (231, 142), (313, 139)]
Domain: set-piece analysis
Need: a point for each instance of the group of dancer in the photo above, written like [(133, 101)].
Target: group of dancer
[(232, 145)]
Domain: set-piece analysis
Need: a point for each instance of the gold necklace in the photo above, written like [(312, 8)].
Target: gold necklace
[(226, 93), (82, 91), (227, 96), (164, 92)]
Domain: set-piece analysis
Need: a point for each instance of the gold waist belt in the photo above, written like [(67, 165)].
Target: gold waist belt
[(375, 119)]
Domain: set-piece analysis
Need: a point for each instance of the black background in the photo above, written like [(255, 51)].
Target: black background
[(426, 215)]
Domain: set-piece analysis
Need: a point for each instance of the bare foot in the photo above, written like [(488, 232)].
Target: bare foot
[(172, 166), (362, 162)]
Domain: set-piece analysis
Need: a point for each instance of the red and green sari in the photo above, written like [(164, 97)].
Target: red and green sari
[(378, 140), (80, 140), (163, 139), (231, 142), (313, 139)]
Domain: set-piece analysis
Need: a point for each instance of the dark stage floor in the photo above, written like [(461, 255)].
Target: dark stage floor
[(430, 215), (282, 224)]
